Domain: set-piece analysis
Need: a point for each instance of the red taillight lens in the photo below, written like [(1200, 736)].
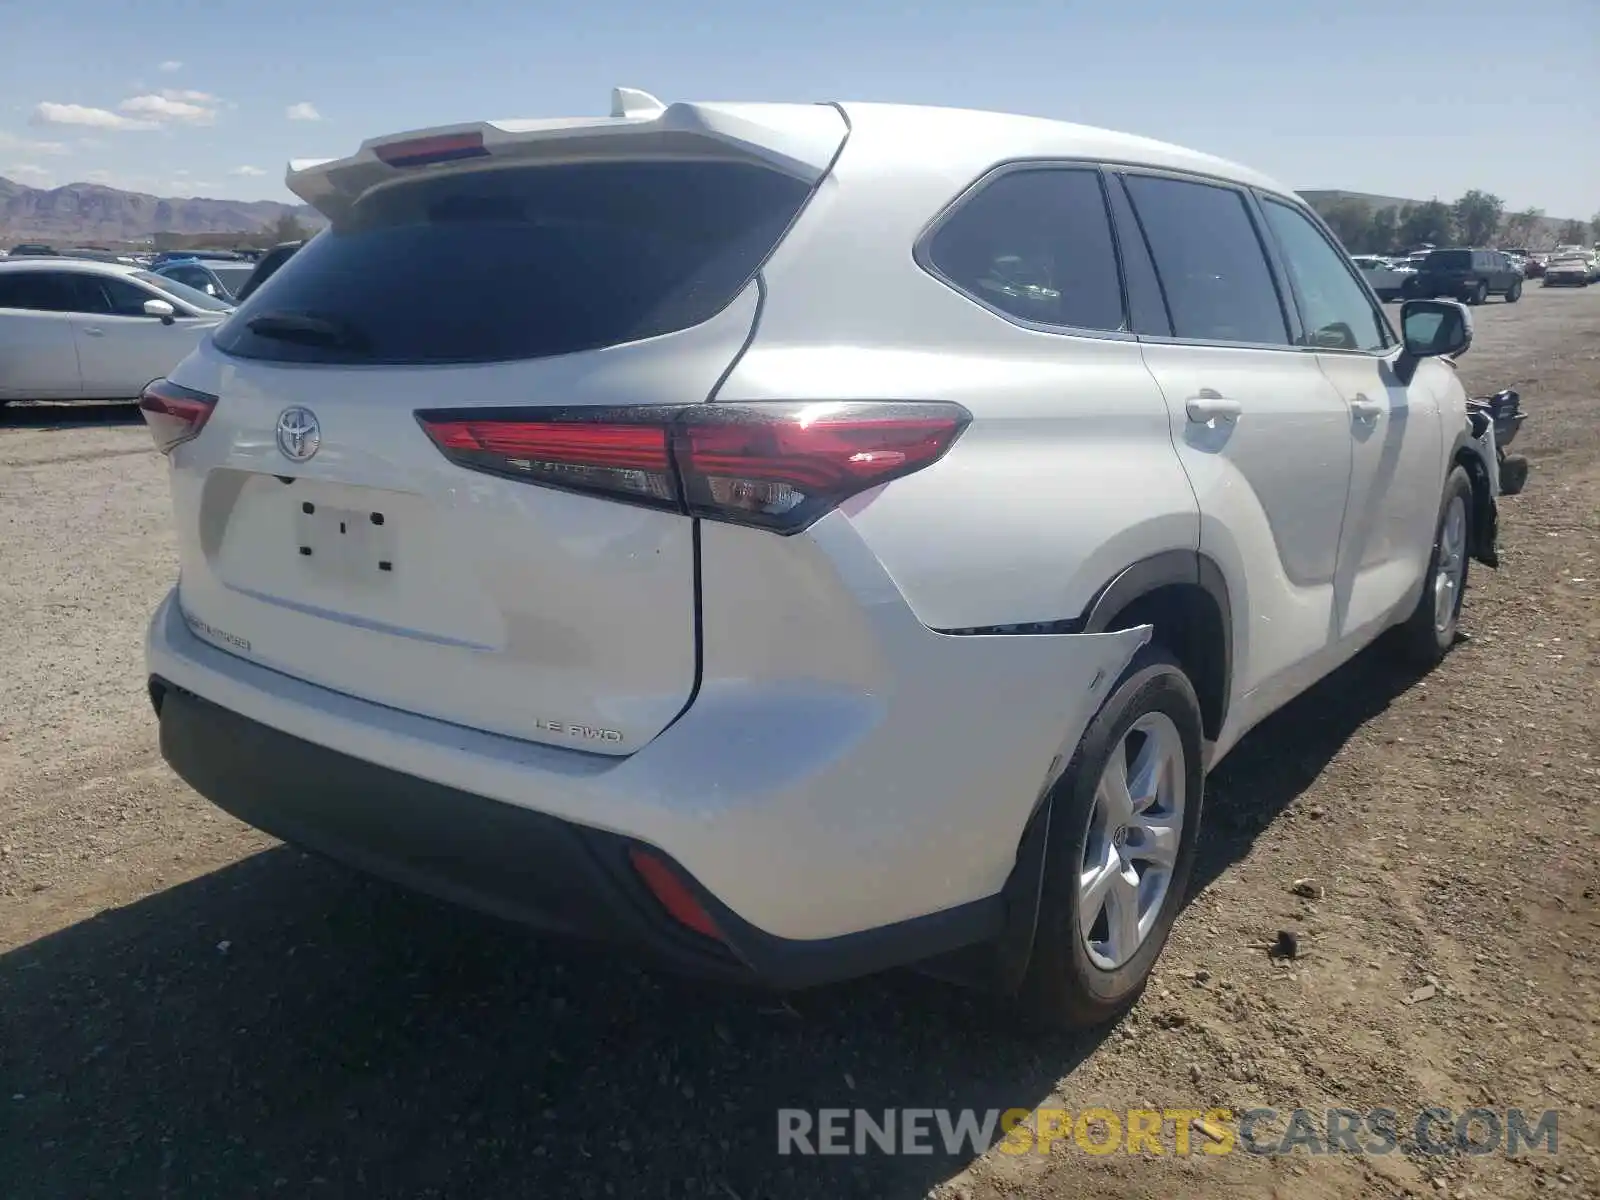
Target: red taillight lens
[(673, 893), (783, 466), (629, 461), (175, 414), (777, 466)]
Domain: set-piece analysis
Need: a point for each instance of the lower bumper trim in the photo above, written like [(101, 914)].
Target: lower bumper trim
[(512, 862)]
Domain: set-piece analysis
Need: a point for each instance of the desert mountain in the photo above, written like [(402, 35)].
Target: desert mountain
[(91, 212)]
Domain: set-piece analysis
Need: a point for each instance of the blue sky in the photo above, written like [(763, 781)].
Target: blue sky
[(212, 97)]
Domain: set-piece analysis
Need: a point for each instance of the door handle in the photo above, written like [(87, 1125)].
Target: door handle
[(1366, 410), (1211, 406), (91, 332)]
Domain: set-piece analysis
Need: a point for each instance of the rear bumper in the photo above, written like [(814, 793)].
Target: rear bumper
[(511, 862), (847, 791)]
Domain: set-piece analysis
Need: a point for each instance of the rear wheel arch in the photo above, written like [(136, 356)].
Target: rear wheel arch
[(1184, 595)]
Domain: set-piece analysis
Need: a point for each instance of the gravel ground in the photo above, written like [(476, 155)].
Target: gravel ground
[(187, 1008)]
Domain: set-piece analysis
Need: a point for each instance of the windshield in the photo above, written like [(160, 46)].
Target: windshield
[(193, 297)]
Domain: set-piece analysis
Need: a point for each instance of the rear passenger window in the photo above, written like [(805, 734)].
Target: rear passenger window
[(1213, 270), (1035, 244), (40, 291)]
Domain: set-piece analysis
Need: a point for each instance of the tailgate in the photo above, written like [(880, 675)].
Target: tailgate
[(324, 535)]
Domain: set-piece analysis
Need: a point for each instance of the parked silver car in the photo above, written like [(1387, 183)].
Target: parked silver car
[(75, 329)]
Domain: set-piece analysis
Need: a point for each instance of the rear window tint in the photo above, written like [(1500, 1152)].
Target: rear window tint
[(520, 263), (1450, 260), (1036, 244)]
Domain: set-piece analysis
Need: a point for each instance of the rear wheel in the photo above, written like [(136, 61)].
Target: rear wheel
[(1514, 292), (1478, 293), (1430, 631), (1124, 821)]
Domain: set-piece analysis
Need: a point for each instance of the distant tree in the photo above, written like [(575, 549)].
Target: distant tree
[(1594, 224), (1351, 221), (1477, 217), (287, 228), (1428, 223), (1573, 233), (1520, 226), (1382, 230)]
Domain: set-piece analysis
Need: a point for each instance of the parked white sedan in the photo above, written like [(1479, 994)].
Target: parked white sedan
[(73, 329)]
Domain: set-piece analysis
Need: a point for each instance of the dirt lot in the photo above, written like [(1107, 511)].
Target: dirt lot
[(188, 1009)]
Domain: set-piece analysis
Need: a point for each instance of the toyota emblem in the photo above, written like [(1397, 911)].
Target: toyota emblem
[(299, 435)]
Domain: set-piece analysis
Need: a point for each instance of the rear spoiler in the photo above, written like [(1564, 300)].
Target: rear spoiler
[(797, 139)]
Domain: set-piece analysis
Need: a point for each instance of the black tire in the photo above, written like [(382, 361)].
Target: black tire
[(1513, 474), (1063, 988), (1514, 292), (1478, 294), (1421, 639)]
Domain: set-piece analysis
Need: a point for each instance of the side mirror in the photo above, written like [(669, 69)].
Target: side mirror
[(162, 309), (1431, 328)]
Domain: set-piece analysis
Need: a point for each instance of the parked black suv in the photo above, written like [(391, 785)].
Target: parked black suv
[(1468, 275)]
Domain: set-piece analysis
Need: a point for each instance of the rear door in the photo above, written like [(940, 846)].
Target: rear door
[(1263, 435), (38, 352), (323, 534)]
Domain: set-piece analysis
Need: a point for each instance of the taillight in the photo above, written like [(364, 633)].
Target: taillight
[(777, 466), (174, 413)]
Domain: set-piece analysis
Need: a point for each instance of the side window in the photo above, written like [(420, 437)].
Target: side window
[(1334, 307), (40, 291), (1213, 270), (1035, 244), (125, 299), (1146, 309), (194, 277)]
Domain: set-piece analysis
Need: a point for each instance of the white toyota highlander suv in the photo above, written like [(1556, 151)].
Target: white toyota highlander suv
[(796, 540)]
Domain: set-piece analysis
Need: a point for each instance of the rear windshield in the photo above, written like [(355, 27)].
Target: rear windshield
[(232, 275), (519, 263), (1450, 260)]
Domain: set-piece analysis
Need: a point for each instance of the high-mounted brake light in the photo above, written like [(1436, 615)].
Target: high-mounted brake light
[(419, 152), (776, 466), (175, 414)]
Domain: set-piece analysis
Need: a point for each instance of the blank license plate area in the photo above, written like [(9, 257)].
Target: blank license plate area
[(347, 545)]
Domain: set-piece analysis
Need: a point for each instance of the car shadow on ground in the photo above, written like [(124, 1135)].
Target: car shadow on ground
[(283, 1026), (1280, 758), (44, 415)]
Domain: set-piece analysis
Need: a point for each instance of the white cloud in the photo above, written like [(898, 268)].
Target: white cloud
[(251, 172), (160, 108), (170, 66), (48, 113), (22, 145), (30, 173), (189, 95), (304, 111)]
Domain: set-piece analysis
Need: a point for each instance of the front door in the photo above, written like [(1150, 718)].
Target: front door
[(1394, 429), (119, 347)]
